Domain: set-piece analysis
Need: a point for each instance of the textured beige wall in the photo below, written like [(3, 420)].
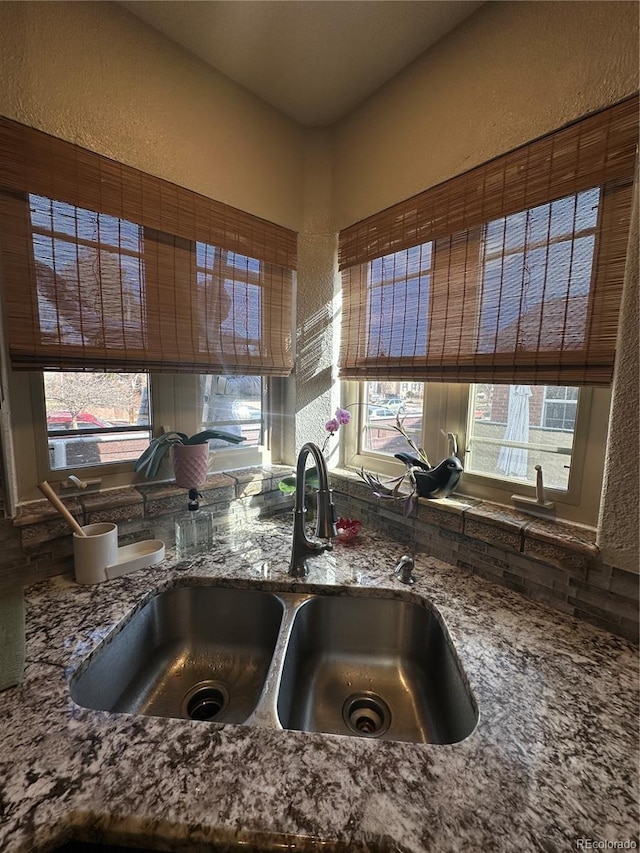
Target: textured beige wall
[(312, 391), (619, 523), (94, 74), (509, 73)]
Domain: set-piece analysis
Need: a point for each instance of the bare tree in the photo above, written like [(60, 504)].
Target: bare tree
[(79, 392)]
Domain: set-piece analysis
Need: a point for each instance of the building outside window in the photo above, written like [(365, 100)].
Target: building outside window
[(560, 407)]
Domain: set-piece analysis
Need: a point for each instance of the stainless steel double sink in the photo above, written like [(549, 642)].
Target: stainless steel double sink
[(355, 665)]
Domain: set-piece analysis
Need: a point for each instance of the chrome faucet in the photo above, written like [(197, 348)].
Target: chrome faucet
[(304, 547)]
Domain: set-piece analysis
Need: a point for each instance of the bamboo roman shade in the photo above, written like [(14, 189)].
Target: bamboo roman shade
[(511, 272), (108, 268)]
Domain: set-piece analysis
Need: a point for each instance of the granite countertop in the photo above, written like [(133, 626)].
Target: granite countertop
[(553, 759)]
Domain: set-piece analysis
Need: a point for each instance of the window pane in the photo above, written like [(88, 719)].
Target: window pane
[(513, 428), (243, 319), (560, 407), (398, 287), (84, 412), (537, 276), (234, 404), (230, 298), (89, 274), (242, 262), (382, 402)]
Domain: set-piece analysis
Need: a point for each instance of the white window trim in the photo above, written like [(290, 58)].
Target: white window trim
[(173, 407), (446, 409)]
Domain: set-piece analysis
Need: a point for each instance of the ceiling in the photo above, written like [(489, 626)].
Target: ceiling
[(314, 60)]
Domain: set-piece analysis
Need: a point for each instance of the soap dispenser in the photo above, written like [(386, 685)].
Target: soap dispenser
[(194, 529)]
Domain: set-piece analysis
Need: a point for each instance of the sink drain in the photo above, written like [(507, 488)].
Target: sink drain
[(366, 714), (205, 700)]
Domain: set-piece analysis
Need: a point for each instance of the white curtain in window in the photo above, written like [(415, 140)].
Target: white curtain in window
[(513, 461)]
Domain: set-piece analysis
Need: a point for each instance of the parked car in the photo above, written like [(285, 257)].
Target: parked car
[(396, 404), (64, 420), (378, 412)]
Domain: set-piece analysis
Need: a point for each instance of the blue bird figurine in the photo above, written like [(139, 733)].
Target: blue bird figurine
[(440, 481), (437, 482)]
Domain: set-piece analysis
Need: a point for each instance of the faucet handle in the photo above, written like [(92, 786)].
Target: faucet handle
[(405, 570), (326, 521)]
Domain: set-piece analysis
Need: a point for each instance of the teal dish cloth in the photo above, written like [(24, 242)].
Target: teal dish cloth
[(11, 636)]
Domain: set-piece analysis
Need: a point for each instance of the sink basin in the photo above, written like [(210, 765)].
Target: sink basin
[(373, 667), (365, 666), (193, 652)]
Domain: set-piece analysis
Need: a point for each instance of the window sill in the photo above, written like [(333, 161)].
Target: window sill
[(142, 506), (560, 543)]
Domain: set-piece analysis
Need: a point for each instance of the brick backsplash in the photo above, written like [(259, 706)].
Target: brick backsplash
[(555, 563), (38, 543)]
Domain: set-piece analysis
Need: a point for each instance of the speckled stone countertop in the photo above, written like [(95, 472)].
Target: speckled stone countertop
[(553, 760)]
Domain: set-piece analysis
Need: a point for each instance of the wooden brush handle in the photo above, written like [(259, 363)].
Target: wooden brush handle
[(53, 499)]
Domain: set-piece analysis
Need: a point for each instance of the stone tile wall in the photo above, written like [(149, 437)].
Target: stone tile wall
[(38, 542), (555, 563)]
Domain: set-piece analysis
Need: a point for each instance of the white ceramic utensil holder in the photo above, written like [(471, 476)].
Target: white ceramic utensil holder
[(95, 551), (97, 556)]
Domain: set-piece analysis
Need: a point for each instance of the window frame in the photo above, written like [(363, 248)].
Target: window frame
[(174, 405), (174, 398), (447, 407), (87, 433)]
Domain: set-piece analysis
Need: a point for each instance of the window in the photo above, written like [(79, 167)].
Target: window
[(382, 404), (509, 433), (230, 300), (560, 407), (90, 279), (532, 273), (95, 418), (89, 276), (100, 446), (499, 462), (536, 274), (498, 288), (398, 283), (111, 277), (234, 404), (91, 273)]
